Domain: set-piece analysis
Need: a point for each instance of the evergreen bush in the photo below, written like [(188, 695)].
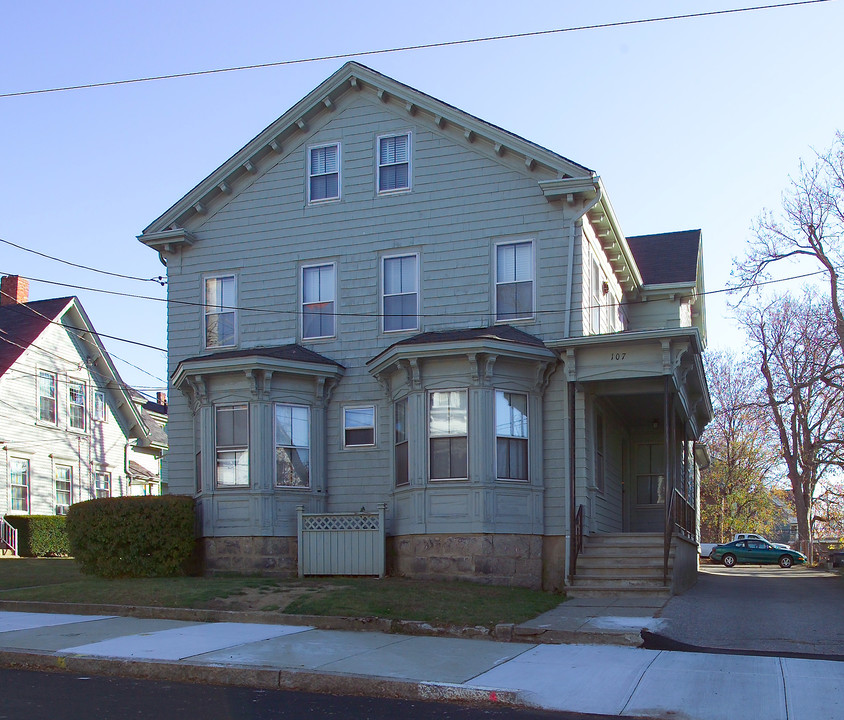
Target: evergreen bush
[(40, 535)]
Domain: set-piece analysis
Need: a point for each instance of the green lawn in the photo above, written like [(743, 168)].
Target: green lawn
[(442, 603)]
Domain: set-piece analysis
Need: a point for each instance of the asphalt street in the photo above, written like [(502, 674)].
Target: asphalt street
[(28, 695), (760, 608)]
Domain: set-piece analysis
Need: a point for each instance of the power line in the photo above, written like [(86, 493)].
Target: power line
[(406, 48), (160, 279)]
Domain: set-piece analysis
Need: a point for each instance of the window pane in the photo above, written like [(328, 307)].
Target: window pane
[(292, 467), (359, 417), (401, 421), (402, 477), (318, 320), (448, 413), (512, 460), (360, 436), (233, 468)]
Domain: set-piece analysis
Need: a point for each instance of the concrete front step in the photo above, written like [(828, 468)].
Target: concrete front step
[(625, 573), (589, 591), (621, 563), (598, 562)]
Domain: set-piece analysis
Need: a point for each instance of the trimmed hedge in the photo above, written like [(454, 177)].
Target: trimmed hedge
[(40, 535), (148, 536)]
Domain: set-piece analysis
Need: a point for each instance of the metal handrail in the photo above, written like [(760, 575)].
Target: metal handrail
[(578, 538), (8, 536)]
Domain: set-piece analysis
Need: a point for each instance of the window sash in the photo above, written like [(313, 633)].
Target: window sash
[(324, 173), (448, 429), (359, 426), (76, 405), (99, 406), (400, 293), (102, 485), (400, 443), (511, 430), (19, 485), (64, 484), (514, 278), (231, 438), (47, 397), (394, 163), (318, 295), (292, 445), (220, 315)]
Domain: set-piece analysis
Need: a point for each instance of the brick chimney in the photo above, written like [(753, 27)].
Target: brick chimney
[(161, 398), (13, 290)]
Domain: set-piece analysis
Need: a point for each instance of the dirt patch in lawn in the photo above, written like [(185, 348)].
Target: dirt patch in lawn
[(268, 599)]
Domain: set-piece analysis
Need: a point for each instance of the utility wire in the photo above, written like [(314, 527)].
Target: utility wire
[(160, 279), (405, 48)]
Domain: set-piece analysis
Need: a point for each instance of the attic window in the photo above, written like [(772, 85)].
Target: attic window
[(324, 173), (394, 163)]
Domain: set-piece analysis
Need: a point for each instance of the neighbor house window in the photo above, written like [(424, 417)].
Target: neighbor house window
[(650, 474), (318, 288), (511, 435), (401, 292), (599, 452), (448, 429), (64, 485), (102, 485), (324, 172), (595, 298), (232, 442), (220, 313), (394, 163), (514, 281), (76, 405), (99, 406), (20, 485), (359, 426), (400, 442), (292, 446), (47, 397)]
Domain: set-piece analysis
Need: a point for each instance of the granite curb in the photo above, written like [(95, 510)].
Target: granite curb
[(264, 678)]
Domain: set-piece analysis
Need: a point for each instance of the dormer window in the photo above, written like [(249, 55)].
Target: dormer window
[(324, 173)]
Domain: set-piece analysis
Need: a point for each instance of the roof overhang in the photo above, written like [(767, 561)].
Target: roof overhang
[(250, 363)]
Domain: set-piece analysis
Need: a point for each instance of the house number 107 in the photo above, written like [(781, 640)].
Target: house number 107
[(618, 356)]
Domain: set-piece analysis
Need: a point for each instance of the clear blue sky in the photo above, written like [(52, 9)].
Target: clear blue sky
[(690, 123)]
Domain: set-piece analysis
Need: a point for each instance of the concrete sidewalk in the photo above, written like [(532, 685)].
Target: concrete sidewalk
[(604, 679)]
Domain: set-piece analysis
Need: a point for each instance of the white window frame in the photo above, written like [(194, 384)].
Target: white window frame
[(312, 175), (102, 484), (292, 446), (333, 301), (208, 310), (82, 390), (69, 480), (509, 433), (385, 295), (379, 164), (241, 449), (55, 398), (346, 428), (100, 412), (400, 439), (26, 485), (513, 243), (432, 436)]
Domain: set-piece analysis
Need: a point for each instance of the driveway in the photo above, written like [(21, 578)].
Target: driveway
[(763, 608)]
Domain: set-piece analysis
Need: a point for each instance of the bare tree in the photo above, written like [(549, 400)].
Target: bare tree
[(799, 357), (734, 489), (810, 224)]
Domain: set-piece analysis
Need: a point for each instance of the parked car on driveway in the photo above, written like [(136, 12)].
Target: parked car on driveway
[(755, 552)]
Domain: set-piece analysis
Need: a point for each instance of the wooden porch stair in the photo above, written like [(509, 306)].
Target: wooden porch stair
[(621, 564)]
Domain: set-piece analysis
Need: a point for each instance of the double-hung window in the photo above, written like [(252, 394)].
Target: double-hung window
[(318, 292), (102, 485), (394, 163), (292, 446), (99, 406), (400, 443), (401, 292), (511, 435), (76, 405), (514, 281), (64, 488), (20, 485), (595, 298), (359, 426), (448, 433), (232, 443), (47, 397), (220, 311), (324, 172)]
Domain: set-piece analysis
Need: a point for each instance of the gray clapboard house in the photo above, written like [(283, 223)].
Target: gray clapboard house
[(382, 300), (70, 430)]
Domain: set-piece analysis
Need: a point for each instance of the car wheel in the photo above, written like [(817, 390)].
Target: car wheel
[(729, 560), (786, 561)]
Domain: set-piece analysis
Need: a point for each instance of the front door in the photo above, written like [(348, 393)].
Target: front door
[(647, 494)]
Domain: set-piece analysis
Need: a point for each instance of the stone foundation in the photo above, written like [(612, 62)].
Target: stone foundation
[(493, 559), (247, 555)]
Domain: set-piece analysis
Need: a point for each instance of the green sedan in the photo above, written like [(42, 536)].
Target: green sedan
[(755, 552)]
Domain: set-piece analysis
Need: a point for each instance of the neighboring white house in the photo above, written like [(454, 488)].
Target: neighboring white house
[(382, 299), (70, 430)]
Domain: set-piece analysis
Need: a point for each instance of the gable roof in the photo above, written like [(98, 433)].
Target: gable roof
[(667, 258), (22, 323), (293, 126)]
